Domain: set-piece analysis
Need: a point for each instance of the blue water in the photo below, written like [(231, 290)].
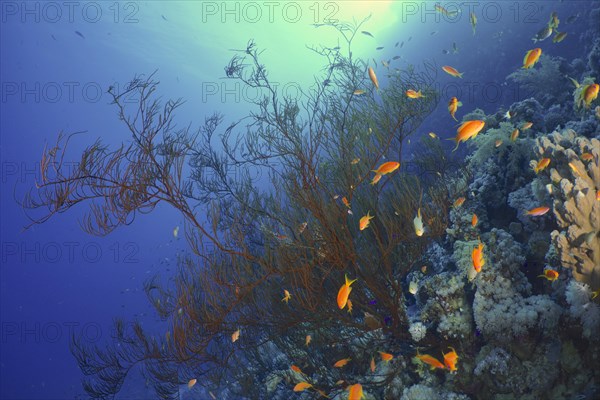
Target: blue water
[(54, 278)]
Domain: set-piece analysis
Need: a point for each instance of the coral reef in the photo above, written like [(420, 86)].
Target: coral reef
[(424, 392), (574, 184), (417, 331), (582, 307), (534, 81), (502, 308)]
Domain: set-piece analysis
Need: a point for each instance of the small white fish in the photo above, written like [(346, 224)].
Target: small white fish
[(418, 223), (413, 287), (176, 232)]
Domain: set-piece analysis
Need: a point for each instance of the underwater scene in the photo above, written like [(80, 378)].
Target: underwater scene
[(285, 200)]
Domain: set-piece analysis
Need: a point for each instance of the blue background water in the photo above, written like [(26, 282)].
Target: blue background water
[(54, 278)]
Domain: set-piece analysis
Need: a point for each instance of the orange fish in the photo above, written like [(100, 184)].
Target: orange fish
[(341, 363), (527, 125), (433, 135), (344, 292), (296, 369), (307, 340), (387, 167), (588, 94), (541, 165), (549, 274), (349, 306), (598, 195), (531, 57), (453, 106), (450, 359), (286, 296), (498, 143), (452, 71), (355, 161), (514, 135), (459, 202), (191, 383), (373, 366), (431, 361), (587, 156), (373, 78), (477, 257), (414, 94), (376, 179), (536, 212), (346, 202), (235, 336), (474, 220), (356, 392), (302, 386), (387, 357), (365, 221), (467, 130)]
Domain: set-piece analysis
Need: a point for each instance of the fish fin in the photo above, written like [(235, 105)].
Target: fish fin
[(525, 58)]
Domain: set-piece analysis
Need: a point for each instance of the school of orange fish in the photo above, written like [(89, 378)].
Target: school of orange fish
[(467, 130)]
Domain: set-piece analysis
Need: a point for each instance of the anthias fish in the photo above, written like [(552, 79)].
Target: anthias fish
[(413, 94), (344, 292), (452, 71), (549, 274), (355, 392), (531, 57), (365, 221), (373, 78), (453, 105), (477, 257), (538, 211), (467, 130)]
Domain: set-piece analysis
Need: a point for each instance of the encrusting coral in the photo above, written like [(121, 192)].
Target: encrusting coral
[(573, 182), (502, 308), (582, 307)]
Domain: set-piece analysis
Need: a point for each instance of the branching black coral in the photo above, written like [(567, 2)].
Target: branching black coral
[(248, 244)]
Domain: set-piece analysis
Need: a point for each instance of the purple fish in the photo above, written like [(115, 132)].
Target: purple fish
[(387, 320), (373, 302)]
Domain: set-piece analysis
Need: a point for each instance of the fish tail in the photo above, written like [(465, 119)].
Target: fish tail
[(457, 143), (454, 118), (349, 282)]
